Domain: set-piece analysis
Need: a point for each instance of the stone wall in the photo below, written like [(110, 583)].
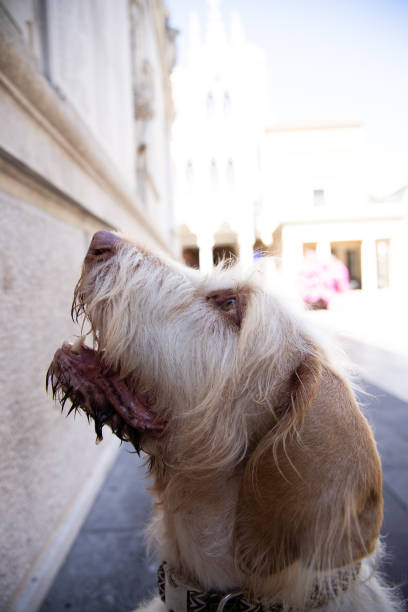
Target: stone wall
[(69, 143)]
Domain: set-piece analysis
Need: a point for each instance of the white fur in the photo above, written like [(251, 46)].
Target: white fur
[(219, 385)]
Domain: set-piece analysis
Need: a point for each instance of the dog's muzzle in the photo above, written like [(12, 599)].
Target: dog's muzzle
[(103, 244), (80, 375)]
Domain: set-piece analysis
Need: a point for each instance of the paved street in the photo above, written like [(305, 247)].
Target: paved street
[(388, 416), (107, 571)]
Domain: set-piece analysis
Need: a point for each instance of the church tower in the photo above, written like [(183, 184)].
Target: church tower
[(220, 97)]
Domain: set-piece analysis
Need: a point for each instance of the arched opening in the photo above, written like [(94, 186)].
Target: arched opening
[(191, 257), (224, 252), (189, 246)]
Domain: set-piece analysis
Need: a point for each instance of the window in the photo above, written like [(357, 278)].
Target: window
[(191, 257), (141, 170), (189, 170), (224, 252), (309, 246), (350, 254), (210, 103), (227, 102), (383, 263), (213, 173), (230, 171), (318, 197)]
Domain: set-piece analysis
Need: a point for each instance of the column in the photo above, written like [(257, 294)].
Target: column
[(205, 245), (368, 265), (292, 252), (246, 253)]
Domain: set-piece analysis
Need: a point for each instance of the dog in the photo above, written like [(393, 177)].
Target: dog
[(266, 476)]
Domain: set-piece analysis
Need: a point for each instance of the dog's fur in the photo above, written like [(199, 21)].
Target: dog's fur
[(266, 476)]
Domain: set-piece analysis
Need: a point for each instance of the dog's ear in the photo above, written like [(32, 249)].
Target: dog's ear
[(311, 490)]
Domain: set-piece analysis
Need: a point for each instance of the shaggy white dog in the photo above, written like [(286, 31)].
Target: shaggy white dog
[(266, 474)]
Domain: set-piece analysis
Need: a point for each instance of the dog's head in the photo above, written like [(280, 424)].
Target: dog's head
[(210, 353), (220, 376)]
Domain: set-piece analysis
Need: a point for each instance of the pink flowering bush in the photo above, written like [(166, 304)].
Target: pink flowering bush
[(321, 278)]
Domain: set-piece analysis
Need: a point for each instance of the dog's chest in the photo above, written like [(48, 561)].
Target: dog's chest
[(200, 538)]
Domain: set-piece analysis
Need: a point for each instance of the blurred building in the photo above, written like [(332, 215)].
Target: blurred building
[(85, 117), (242, 186), (317, 198), (220, 99)]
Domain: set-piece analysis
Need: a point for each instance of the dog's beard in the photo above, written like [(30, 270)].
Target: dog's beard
[(81, 376)]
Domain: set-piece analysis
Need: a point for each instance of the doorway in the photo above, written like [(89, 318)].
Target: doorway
[(350, 254)]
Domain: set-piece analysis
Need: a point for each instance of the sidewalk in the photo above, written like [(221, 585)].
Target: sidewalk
[(373, 329), (107, 571)]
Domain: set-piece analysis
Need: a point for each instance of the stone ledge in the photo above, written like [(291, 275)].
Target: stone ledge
[(24, 183)]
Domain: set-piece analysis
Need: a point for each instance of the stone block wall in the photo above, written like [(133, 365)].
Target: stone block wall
[(65, 172)]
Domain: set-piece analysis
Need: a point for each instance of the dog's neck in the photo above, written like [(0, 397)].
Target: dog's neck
[(196, 533), (183, 597), (197, 512)]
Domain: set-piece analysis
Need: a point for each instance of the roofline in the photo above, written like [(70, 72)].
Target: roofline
[(309, 127), (327, 220)]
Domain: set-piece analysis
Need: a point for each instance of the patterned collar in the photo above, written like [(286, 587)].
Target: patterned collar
[(181, 598)]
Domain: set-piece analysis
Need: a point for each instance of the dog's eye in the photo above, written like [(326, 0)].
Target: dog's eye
[(228, 304)]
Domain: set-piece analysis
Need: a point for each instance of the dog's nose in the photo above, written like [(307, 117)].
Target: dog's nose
[(103, 243)]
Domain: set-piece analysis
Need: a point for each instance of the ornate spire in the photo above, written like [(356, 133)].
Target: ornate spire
[(215, 28)]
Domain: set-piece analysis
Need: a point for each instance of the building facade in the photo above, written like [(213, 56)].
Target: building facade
[(220, 108), (318, 199), (86, 108), (242, 186)]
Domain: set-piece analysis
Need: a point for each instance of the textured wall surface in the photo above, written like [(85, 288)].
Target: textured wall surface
[(68, 143), (45, 458)]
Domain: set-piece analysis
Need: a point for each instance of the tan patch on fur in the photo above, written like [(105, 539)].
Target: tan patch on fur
[(316, 497)]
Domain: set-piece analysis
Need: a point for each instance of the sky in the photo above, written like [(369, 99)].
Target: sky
[(334, 60)]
